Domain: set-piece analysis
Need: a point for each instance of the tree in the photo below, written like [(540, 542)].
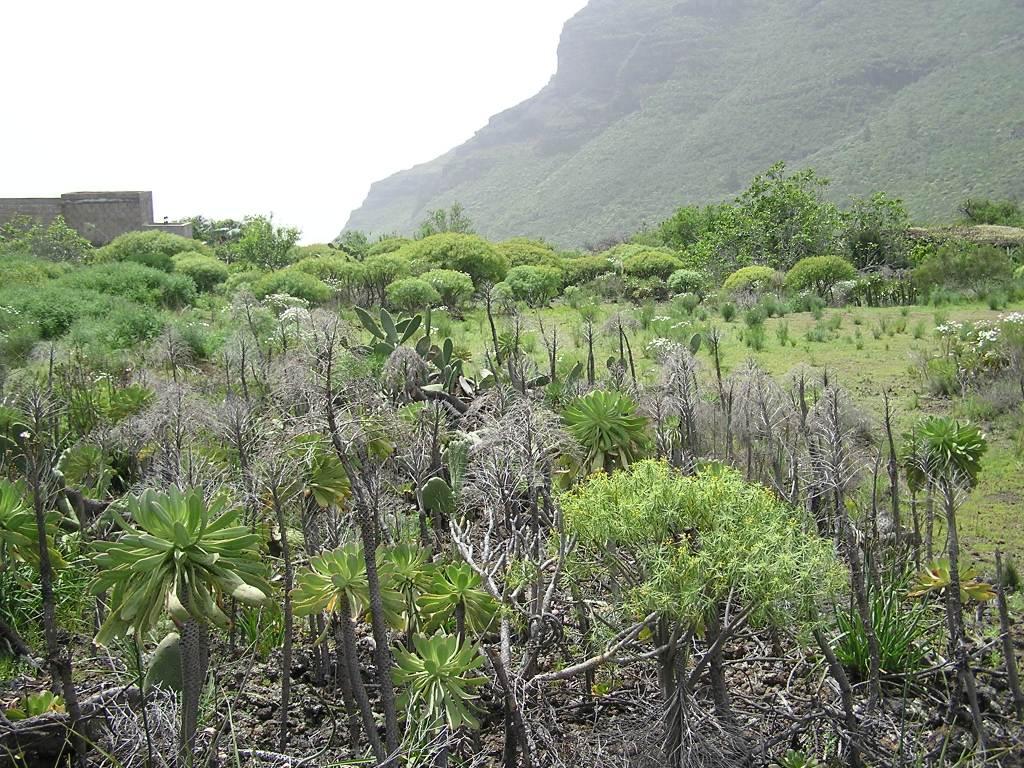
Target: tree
[(355, 243), (262, 245), (453, 287), (536, 286), (461, 252), (206, 271), (875, 232), (452, 220)]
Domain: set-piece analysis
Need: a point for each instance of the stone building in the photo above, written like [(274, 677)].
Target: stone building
[(99, 217)]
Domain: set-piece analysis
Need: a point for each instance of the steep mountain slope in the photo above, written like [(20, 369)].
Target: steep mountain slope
[(660, 102)]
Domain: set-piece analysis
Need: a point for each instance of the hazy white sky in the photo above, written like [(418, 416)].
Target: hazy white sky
[(225, 107)]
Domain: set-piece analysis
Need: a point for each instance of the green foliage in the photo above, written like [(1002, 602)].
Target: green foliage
[(583, 269), (453, 287), (293, 282), (688, 281), (453, 590), (21, 269), (205, 271), (1001, 212), (820, 273), (34, 704), (901, 632), (19, 538), (536, 285), (875, 232), (951, 450), (691, 224), (141, 284), (338, 578), (387, 244), (389, 333), (935, 577), (648, 262), (606, 424), (262, 245), (164, 668), (460, 252), (683, 544), (153, 248), (752, 279), (521, 251), (454, 219), (55, 242), (354, 243), (412, 294), (438, 679), (964, 266), (179, 553)]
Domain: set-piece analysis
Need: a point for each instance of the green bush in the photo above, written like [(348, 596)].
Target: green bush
[(753, 279), (964, 266), (243, 280), (152, 249), (583, 269), (387, 245), (521, 251), (292, 282), (333, 266), (17, 269), (206, 272), (535, 285), (462, 253), (412, 294), (651, 263), (454, 287), (139, 283), (687, 281), (984, 211), (819, 273)]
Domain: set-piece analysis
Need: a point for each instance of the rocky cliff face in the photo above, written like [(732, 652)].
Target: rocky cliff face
[(657, 103)]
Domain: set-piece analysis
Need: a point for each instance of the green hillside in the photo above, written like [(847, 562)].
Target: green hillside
[(660, 102)]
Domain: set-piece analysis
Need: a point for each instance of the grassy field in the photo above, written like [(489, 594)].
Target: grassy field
[(867, 350)]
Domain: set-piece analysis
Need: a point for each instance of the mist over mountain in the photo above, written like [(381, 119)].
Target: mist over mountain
[(656, 103)]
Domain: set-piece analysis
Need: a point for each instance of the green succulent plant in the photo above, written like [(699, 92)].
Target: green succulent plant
[(19, 537), (607, 426), (455, 592), (36, 704), (388, 333), (180, 554), (951, 449), (408, 570), (338, 578), (438, 676), (324, 477), (935, 577)]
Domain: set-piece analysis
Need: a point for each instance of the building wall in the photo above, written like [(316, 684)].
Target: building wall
[(97, 216), (42, 208), (101, 216)]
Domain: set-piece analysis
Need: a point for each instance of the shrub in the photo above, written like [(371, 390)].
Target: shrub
[(983, 211), (687, 281), (387, 245), (534, 285), (459, 252), (243, 280), (453, 287), (820, 273), (333, 266), (153, 249), (205, 271), (583, 269), (412, 294), (728, 310), (651, 263), (521, 251), (139, 283), (292, 282), (752, 279), (16, 269), (963, 266)]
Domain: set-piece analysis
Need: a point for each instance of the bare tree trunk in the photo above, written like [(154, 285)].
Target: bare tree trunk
[(1009, 655), (286, 651), (348, 634), (845, 695), (955, 622), (195, 660)]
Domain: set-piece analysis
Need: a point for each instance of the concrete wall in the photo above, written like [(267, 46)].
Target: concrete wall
[(97, 216), (44, 209)]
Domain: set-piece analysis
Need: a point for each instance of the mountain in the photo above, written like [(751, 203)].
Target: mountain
[(657, 103)]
